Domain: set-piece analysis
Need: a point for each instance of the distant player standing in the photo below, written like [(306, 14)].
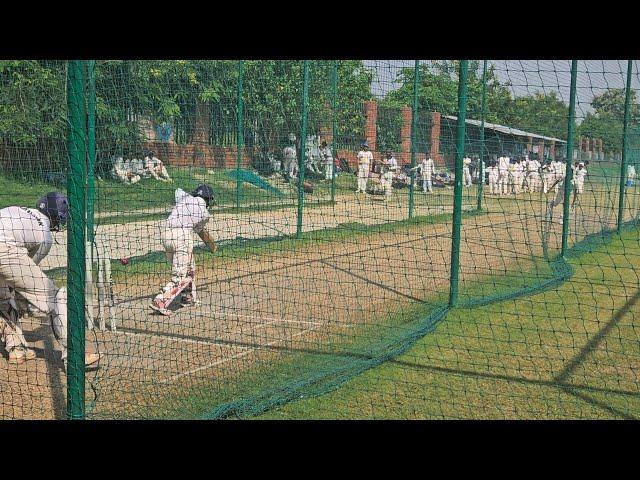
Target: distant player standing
[(189, 215), (492, 173), (290, 157), (25, 240), (503, 174), (426, 172), (579, 174), (327, 156), (466, 171), (365, 157)]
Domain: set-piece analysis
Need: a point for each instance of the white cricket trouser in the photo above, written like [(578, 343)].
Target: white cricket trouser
[(516, 182), (534, 182), (579, 184), (363, 176), (19, 271), (289, 166), (493, 185), (466, 176), (178, 245), (502, 182), (328, 171), (427, 185)]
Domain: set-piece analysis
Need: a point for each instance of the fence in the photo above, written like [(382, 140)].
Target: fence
[(487, 289)]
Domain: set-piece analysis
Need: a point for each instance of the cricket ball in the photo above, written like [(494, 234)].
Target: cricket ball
[(124, 260)]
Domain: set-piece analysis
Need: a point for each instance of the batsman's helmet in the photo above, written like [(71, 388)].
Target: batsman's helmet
[(205, 192), (55, 206)]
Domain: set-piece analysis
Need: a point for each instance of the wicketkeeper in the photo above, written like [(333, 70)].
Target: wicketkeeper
[(190, 214), (25, 240)]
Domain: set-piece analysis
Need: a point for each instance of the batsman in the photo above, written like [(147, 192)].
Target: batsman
[(189, 215)]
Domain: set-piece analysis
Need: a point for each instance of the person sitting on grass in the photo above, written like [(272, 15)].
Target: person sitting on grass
[(156, 168)]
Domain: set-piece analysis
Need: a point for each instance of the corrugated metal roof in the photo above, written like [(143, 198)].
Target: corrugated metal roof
[(507, 130)]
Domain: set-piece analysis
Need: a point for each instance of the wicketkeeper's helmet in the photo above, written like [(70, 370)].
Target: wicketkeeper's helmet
[(55, 206)]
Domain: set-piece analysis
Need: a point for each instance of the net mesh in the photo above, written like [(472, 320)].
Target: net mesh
[(329, 292)]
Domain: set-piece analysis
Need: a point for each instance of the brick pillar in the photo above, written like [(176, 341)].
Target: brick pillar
[(600, 150), (435, 139), (540, 150), (552, 150), (371, 119), (529, 145), (405, 135), (326, 135)]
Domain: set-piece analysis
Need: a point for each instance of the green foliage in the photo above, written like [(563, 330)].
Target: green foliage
[(607, 120)]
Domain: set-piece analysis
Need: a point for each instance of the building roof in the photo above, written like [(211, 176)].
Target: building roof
[(508, 130)]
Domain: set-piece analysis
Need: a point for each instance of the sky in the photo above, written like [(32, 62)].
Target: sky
[(530, 76)]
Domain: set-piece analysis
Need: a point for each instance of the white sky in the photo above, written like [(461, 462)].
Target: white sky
[(529, 76)]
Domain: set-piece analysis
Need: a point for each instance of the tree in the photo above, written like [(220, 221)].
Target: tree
[(607, 120)]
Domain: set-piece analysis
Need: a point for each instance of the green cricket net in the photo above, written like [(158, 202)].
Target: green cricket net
[(392, 242)]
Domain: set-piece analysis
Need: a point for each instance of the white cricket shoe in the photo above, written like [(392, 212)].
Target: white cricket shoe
[(20, 354)]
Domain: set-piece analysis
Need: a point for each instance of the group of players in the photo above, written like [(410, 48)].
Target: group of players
[(511, 176), (134, 170)]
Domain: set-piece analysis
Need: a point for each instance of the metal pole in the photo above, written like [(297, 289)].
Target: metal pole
[(76, 240), (625, 144), (482, 115), (240, 130), (303, 142), (569, 170), (334, 127), (414, 125), (457, 192), (91, 160)]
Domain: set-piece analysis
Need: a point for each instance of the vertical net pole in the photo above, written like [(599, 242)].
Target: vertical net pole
[(623, 166), (91, 146), (90, 188), (239, 130), (569, 170), (334, 126), (303, 143), (414, 125), (457, 192), (76, 240), (482, 115)]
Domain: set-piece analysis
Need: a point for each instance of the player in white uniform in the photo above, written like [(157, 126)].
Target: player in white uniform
[(156, 168), (189, 215), (122, 171), (327, 158), (25, 240), (365, 157), (466, 171), (518, 174), (290, 157), (533, 175), (503, 174), (492, 173), (579, 174), (426, 171)]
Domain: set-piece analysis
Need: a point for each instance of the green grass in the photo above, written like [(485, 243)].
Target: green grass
[(541, 356)]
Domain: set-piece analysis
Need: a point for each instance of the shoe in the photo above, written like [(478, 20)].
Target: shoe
[(90, 359), (20, 354)]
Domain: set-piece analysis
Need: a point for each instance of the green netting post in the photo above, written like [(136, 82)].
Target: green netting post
[(569, 170), (414, 126), (482, 115), (303, 143), (457, 192), (625, 143), (334, 126), (239, 130), (91, 147), (76, 179)]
